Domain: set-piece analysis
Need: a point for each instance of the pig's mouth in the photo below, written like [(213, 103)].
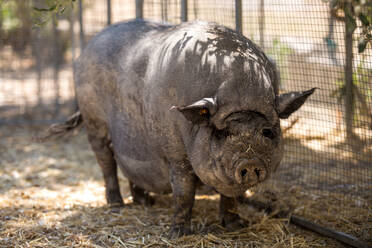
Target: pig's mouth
[(246, 174), (231, 191)]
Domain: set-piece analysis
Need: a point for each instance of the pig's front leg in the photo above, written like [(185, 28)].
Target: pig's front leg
[(228, 213), (183, 181)]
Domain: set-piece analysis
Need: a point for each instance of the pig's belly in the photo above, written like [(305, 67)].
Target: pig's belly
[(151, 175)]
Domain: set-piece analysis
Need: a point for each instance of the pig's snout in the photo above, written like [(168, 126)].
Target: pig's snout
[(250, 172)]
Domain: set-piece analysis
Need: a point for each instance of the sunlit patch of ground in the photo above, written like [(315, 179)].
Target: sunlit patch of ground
[(52, 195)]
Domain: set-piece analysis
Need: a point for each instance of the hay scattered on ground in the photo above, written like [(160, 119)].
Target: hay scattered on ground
[(52, 195)]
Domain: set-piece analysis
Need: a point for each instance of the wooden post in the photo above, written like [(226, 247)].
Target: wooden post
[(56, 64), (184, 10), (108, 12), (348, 71), (139, 9), (73, 49), (238, 16), (39, 64), (72, 34), (36, 46)]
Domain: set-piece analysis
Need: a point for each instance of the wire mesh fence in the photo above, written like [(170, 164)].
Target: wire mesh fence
[(327, 166)]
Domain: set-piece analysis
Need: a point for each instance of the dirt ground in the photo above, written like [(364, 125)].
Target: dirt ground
[(52, 195)]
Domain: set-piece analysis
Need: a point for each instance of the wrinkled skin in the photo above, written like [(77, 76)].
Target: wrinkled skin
[(176, 106)]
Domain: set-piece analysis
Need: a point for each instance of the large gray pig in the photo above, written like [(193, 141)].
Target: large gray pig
[(179, 106)]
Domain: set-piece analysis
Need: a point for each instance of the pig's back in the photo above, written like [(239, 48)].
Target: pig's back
[(109, 73)]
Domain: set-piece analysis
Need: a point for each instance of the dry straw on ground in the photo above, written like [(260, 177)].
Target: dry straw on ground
[(52, 195)]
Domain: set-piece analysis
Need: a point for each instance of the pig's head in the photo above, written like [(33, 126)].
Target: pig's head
[(236, 136)]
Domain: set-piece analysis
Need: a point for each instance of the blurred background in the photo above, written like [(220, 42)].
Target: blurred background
[(327, 169)]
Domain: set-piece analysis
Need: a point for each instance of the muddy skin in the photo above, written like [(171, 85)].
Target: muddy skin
[(172, 106)]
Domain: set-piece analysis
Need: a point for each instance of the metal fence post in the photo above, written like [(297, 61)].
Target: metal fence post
[(108, 12), (82, 39), (164, 10), (184, 10), (238, 16), (261, 24), (139, 9), (330, 39)]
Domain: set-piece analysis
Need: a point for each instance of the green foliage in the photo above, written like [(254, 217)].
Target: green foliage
[(8, 14), (280, 52), (57, 6), (49, 9), (352, 11), (15, 24), (360, 78), (361, 92), (42, 11)]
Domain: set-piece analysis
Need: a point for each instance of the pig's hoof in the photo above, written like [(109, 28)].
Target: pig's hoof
[(116, 205), (235, 225), (114, 199), (178, 231), (145, 200), (232, 222)]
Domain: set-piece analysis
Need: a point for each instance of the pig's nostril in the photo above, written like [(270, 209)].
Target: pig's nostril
[(249, 172), (243, 172), (258, 172)]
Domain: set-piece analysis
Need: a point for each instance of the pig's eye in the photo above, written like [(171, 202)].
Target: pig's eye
[(203, 111), (224, 133), (268, 133)]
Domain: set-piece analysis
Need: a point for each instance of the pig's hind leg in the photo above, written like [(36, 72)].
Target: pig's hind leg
[(101, 146), (140, 196)]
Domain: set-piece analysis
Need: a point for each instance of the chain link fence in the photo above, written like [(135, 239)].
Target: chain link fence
[(326, 173)]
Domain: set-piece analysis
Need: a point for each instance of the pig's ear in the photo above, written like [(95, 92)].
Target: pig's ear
[(199, 111), (290, 102)]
